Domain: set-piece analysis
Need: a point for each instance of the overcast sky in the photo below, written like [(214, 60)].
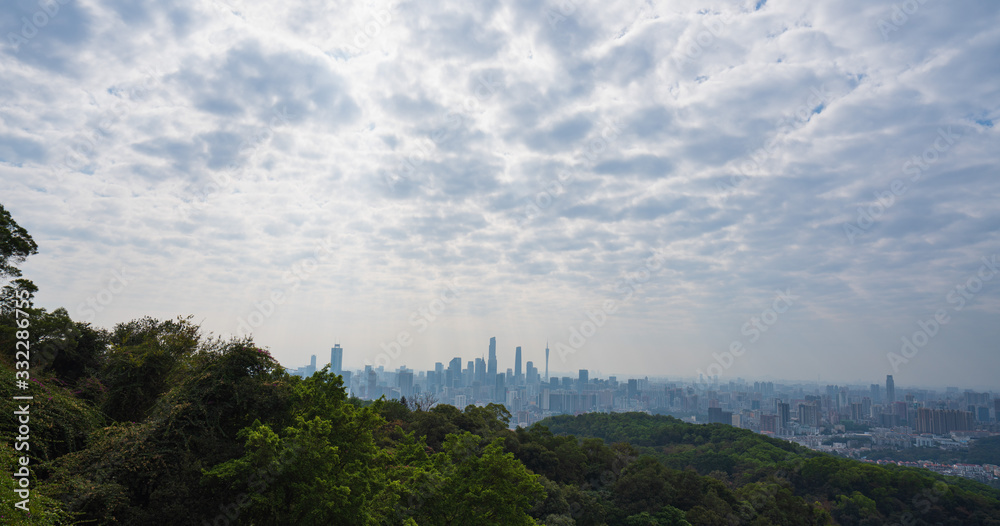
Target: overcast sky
[(438, 173)]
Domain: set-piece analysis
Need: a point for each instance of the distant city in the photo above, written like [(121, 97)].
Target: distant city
[(850, 420)]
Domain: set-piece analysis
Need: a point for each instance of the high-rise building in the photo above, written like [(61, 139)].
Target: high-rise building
[(890, 389), (371, 384), (808, 415), (583, 380), (876, 393), (546, 361), (717, 416), (784, 417), (530, 373), (499, 387), (491, 365), (769, 423), (480, 371), (312, 366), (454, 375), (336, 359), (405, 381), (517, 364), (942, 421)]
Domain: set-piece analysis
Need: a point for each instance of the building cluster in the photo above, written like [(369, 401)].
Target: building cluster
[(896, 419)]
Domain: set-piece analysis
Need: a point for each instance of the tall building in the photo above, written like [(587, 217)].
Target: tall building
[(876, 393), (500, 390), (546, 361), (336, 359), (439, 375), (517, 364), (530, 373), (312, 366), (784, 417), (890, 389), (808, 415), (405, 382), (371, 382), (454, 374), (943, 421), (480, 371), (491, 365), (583, 379)]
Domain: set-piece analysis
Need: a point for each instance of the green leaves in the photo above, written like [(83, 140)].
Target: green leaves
[(15, 245)]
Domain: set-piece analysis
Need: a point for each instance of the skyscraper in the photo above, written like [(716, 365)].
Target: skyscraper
[(439, 375), (405, 381), (454, 373), (499, 388), (890, 389), (546, 361), (491, 364), (480, 371), (312, 366), (336, 359), (784, 417), (876, 393), (517, 365), (530, 373), (583, 379)]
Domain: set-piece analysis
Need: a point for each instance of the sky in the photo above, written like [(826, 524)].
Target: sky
[(759, 190)]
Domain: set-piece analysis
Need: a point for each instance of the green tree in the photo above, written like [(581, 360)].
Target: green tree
[(146, 357), (323, 469), (15, 245), (481, 486)]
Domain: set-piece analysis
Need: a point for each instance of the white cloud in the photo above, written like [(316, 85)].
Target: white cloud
[(210, 150)]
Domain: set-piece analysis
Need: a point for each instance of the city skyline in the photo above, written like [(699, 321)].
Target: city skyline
[(598, 373)]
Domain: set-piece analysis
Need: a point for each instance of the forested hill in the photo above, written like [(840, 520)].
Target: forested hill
[(853, 492)]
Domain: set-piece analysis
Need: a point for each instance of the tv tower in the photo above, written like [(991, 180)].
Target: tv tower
[(546, 360)]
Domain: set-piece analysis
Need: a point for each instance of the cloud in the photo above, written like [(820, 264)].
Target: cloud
[(357, 156)]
